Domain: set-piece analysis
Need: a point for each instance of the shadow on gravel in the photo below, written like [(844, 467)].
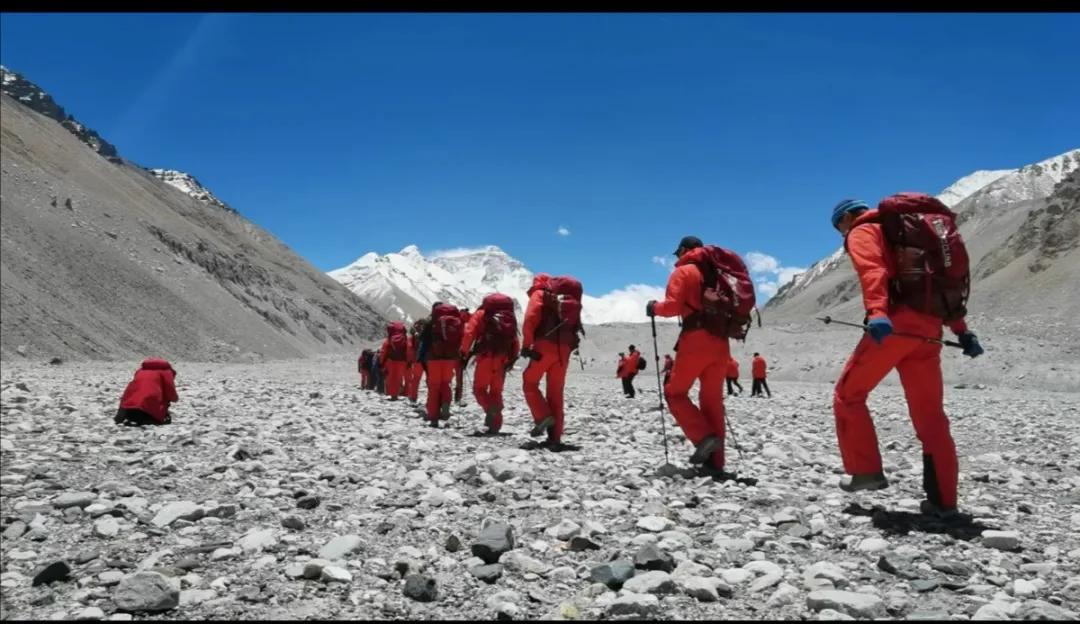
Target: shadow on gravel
[(904, 522), (670, 470), (533, 445), (484, 434)]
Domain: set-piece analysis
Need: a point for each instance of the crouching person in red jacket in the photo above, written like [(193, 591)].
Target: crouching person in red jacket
[(147, 397)]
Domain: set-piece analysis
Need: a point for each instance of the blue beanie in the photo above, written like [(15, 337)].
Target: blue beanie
[(846, 206)]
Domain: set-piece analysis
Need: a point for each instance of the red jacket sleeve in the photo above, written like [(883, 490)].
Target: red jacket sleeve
[(383, 352), (168, 388), (683, 280), (866, 246), (532, 318), (471, 328)]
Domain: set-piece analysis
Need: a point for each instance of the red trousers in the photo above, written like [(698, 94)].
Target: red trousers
[(412, 380), (363, 379), (553, 362), (439, 375), (488, 380), (459, 374), (701, 357), (919, 366), (395, 377)]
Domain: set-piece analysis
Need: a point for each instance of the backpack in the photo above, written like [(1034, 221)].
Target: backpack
[(500, 324), (932, 264), (727, 295), (561, 316), (399, 341), (446, 331), (641, 364)]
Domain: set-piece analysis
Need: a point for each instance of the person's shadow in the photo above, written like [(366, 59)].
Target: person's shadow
[(963, 527)]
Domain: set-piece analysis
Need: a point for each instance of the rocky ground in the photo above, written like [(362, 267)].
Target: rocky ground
[(282, 491)]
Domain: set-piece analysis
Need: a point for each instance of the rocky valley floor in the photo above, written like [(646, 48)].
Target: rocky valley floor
[(283, 491)]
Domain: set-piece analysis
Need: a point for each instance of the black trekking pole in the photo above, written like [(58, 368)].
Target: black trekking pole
[(660, 388), (947, 343), (733, 439)]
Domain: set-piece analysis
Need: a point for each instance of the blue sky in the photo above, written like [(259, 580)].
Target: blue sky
[(343, 134)]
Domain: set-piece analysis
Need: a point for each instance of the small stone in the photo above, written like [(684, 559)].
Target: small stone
[(453, 543), (855, 604), (925, 585), (420, 588), (74, 499), (110, 578), (488, 573), (704, 589), (340, 546), (613, 574), (294, 522), (313, 568), (564, 530), (582, 544), (1023, 588), (649, 557), (181, 510), (954, 568), (873, 545), (308, 502), (15, 530), (334, 573), (494, 540), (146, 591), (651, 582), (1001, 540), (655, 524), (630, 604), (91, 613), (106, 527), (55, 571)]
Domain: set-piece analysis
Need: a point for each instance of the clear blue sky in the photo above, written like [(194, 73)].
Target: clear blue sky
[(343, 134)]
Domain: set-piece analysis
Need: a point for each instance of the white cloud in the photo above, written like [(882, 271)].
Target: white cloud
[(563, 231), (623, 305), (769, 274), (453, 252), (661, 260)]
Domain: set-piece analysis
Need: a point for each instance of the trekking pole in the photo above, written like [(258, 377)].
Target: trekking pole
[(660, 388), (947, 343), (733, 439)]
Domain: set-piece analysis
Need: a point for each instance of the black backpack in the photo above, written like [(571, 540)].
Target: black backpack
[(641, 364)]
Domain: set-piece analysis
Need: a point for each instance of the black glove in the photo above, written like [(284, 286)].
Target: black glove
[(649, 311), (970, 341), (529, 353)]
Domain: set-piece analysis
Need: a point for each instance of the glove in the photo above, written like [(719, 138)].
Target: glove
[(649, 311), (879, 328), (970, 341), (529, 353)]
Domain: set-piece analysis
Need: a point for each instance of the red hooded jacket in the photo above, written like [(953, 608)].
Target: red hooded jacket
[(152, 389)]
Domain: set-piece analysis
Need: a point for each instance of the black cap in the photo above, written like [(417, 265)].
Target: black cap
[(688, 242), (632, 348)]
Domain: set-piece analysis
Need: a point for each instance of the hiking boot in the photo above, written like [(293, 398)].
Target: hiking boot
[(491, 431), (489, 417), (444, 411), (393, 398), (542, 426), (705, 449), (433, 423), (945, 514), (874, 481)]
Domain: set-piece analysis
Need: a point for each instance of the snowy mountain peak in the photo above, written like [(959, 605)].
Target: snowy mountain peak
[(965, 186), (187, 184)]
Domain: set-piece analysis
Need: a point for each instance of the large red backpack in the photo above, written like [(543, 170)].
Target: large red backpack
[(399, 341), (561, 316), (446, 331), (500, 325), (727, 295), (932, 265)]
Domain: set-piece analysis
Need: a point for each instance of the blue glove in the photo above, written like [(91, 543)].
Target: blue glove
[(970, 341), (879, 328), (649, 309)]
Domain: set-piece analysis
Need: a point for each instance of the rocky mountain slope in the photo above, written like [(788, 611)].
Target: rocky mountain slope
[(104, 259)]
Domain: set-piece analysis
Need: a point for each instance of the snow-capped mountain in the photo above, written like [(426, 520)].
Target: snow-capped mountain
[(403, 285), (187, 184), (990, 205)]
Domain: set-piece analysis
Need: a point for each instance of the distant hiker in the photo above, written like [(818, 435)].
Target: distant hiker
[(913, 268), (492, 330), (628, 369), (440, 351), (668, 363), (393, 358), (733, 376), (147, 397), (459, 369), (415, 370), (758, 371), (363, 364), (705, 277), (549, 334)]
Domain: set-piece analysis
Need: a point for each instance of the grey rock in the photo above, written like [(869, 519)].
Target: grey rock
[(613, 574), (106, 526), (181, 510), (925, 585), (453, 543), (856, 605), (502, 470), (313, 568), (294, 522), (582, 544), (954, 568), (90, 613), (420, 588), (1001, 540), (340, 546), (701, 588), (334, 573), (308, 502), (488, 573), (494, 540), (651, 582), (74, 499), (649, 557), (515, 561), (146, 591), (630, 604), (1042, 610), (15, 530), (55, 571)]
